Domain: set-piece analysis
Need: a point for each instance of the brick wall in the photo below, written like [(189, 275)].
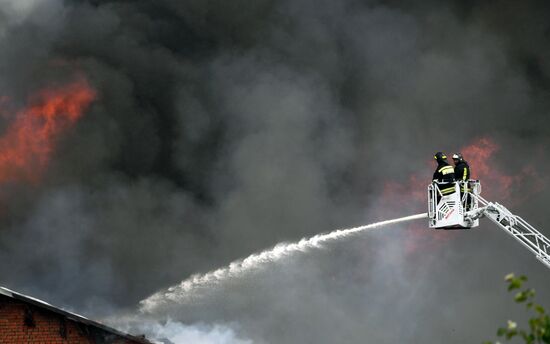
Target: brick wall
[(22, 323)]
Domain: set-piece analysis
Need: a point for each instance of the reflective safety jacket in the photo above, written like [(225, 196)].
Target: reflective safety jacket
[(445, 175), (462, 171)]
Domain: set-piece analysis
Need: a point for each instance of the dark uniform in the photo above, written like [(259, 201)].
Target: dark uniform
[(444, 174), (462, 173)]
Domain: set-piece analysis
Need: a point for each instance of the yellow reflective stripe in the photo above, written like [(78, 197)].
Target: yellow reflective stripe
[(446, 170), (447, 190), (465, 172)]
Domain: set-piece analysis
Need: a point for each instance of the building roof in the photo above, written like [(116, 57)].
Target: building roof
[(68, 315)]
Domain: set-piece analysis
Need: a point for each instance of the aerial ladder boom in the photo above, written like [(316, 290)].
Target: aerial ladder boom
[(463, 208), (516, 226)]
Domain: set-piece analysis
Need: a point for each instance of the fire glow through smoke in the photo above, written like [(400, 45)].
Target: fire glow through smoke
[(498, 185), (480, 154), (28, 142)]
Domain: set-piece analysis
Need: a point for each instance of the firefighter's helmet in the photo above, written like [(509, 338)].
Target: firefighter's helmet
[(458, 156), (439, 156)]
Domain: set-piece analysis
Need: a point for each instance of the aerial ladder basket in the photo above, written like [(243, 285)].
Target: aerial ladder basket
[(448, 211), (463, 207)]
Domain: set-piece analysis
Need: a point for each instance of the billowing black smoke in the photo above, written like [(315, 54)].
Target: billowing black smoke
[(224, 127)]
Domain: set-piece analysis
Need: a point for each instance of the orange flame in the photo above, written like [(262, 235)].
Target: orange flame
[(27, 144)]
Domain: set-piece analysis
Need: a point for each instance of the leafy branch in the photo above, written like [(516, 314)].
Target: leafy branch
[(539, 324)]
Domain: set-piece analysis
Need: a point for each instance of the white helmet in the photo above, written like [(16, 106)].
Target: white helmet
[(458, 156)]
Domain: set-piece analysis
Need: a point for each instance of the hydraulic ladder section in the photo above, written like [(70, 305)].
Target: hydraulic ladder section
[(514, 225)]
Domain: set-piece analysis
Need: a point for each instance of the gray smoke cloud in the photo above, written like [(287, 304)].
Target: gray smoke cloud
[(222, 128)]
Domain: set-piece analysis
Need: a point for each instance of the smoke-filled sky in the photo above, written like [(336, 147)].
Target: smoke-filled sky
[(214, 129)]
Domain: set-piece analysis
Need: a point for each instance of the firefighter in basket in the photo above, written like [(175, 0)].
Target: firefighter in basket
[(462, 175), (444, 175)]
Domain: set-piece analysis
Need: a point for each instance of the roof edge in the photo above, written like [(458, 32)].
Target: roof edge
[(69, 315)]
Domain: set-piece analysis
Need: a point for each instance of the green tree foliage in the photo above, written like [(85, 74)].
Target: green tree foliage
[(539, 324)]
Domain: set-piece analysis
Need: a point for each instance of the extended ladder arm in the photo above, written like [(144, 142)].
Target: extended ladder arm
[(517, 227)]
